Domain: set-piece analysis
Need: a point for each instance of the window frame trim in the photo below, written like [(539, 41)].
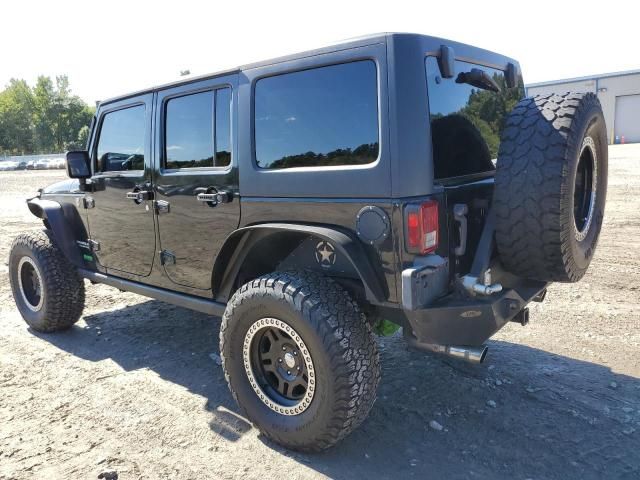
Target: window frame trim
[(162, 157), (96, 142), (329, 63)]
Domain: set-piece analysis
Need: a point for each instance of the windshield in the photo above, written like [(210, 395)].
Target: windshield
[(468, 113)]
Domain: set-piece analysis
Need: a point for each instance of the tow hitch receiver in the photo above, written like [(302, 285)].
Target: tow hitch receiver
[(522, 317)]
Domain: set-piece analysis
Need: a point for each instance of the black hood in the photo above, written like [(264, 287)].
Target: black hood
[(65, 186)]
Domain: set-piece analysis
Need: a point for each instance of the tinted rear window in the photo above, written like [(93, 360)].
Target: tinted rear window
[(467, 121), (189, 131), (223, 127), (318, 117), (192, 136)]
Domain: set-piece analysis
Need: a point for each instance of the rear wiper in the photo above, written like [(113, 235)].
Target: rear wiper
[(478, 78)]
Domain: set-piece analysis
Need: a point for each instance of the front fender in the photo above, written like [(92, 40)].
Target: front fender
[(65, 223), (238, 245)]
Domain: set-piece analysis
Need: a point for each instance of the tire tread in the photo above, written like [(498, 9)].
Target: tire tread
[(345, 334), (64, 288), (533, 218)]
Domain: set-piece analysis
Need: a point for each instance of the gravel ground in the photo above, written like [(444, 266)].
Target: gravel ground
[(134, 386)]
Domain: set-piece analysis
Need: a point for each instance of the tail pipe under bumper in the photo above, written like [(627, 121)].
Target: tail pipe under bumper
[(469, 354), (459, 326)]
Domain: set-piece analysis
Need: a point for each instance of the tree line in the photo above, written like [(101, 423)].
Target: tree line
[(46, 118), (365, 153), (488, 110)]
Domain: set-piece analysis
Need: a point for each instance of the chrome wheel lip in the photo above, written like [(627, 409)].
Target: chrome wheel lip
[(304, 403), (588, 143), (28, 260)]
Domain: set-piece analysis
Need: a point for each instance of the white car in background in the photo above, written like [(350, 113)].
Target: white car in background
[(4, 166), (59, 162)]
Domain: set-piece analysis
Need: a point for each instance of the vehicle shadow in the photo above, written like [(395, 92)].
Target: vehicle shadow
[(525, 412)]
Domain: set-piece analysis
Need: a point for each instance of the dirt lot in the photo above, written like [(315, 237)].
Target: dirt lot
[(133, 387)]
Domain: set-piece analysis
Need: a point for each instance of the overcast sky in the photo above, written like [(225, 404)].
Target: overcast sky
[(110, 47)]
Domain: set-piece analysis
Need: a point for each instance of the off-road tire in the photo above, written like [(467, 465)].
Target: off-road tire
[(341, 345), (537, 233), (62, 288)]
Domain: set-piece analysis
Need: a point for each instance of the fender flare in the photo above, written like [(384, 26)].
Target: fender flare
[(238, 245), (64, 222)]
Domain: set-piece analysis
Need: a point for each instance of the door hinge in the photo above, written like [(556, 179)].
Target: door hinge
[(94, 245), (88, 202), (167, 258), (162, 206)]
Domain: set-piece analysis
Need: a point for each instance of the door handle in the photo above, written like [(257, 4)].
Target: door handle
[(212, 197), (460, 211), (140, 195)]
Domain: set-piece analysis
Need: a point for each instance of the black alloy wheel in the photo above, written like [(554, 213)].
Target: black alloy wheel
[(279, 366)]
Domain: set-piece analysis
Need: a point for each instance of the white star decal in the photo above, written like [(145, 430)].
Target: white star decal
[(325, 254)]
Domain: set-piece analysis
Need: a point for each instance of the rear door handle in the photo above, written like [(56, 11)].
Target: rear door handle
[(212, 197), (460, 211), (207, 197)]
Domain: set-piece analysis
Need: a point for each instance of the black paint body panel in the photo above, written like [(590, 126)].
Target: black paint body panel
[(334, 213)]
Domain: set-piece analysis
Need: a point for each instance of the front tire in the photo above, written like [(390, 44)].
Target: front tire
[(300, 359), (47, 289)]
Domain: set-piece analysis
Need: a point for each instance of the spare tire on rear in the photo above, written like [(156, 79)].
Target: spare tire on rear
[(550, 186)]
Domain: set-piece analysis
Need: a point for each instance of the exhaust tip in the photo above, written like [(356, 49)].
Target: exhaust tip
[(468, 354), (483, 353), (461, 352), (475, 354)]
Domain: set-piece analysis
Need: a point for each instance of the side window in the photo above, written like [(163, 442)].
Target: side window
[(319, 117), (198, 130), (121, 141), (223, 127)]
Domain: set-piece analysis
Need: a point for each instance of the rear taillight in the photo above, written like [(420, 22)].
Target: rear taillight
[(421, 227)]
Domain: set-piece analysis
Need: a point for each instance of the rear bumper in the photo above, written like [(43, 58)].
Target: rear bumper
[(454, 320)]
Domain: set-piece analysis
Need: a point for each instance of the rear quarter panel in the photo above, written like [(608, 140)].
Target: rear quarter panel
[(330, 196)]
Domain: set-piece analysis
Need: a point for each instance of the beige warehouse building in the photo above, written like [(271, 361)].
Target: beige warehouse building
[(619, 94)]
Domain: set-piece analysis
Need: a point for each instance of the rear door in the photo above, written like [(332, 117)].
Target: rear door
[(196, 177), (121, 222)]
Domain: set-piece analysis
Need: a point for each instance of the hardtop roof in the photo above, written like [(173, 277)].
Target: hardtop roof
[(345, 44)]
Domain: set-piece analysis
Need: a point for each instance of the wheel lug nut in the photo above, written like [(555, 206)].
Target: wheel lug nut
[(295, 353), (284, 348), (279, 360), (288, 372)]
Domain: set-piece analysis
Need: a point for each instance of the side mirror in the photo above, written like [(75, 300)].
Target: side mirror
[(78, 164)]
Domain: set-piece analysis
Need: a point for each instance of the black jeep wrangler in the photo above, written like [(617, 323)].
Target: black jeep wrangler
[(308, 200)]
